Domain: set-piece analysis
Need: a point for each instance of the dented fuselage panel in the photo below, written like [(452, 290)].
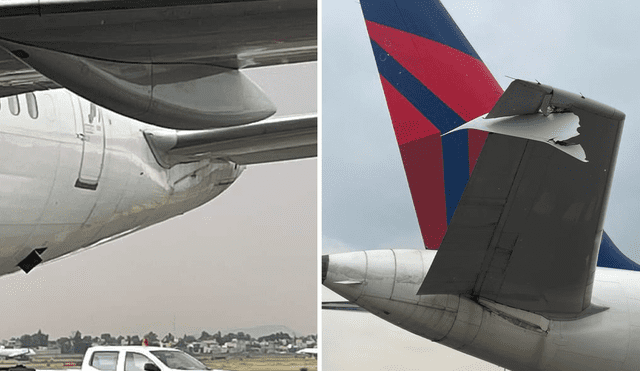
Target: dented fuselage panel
[(77, 175)]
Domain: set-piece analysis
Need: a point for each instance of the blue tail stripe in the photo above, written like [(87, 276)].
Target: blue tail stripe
[(436, 111), (455, 146), (611, 257), (423, 18)]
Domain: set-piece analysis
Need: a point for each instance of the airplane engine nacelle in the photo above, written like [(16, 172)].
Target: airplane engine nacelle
[(177, 96)]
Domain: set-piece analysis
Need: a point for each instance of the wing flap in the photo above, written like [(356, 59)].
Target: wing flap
[(278, 139), (17, 78), (527, 230)]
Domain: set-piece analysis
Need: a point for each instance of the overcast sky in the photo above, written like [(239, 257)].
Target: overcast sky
[(587, 47), (247, 258)]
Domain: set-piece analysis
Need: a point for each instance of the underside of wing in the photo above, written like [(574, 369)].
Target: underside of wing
[(276, 139), (231, 34), (17, 77), (167, 63), (527, 230)]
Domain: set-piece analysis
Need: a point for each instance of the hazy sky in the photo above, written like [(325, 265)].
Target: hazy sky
[(246, 258), (587, 47)]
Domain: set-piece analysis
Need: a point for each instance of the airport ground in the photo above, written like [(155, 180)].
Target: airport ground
[(266, 362)]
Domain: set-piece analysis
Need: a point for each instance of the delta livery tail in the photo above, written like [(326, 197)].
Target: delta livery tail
[(434, 81), (516, 216)]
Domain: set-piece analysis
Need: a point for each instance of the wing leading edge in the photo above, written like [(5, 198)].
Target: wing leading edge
[(527, 230)]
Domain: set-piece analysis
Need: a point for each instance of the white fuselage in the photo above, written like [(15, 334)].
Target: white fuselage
[(73, 175), (8, 353), (606, 337)]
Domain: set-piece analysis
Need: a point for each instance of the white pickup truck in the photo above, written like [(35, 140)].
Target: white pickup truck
[(138, 358)]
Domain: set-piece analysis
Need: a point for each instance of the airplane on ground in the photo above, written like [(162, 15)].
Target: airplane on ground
[(309, 351), (18, 353), (506, 306), (119, 115)]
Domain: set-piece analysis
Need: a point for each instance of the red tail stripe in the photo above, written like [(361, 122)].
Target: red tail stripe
[(462, 82), (421, 151), (408, 123)]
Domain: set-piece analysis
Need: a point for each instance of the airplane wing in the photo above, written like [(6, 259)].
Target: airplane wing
[(313, 351), (13, 353), (143, 59), (528, 227), (233, 34), (277, 139)]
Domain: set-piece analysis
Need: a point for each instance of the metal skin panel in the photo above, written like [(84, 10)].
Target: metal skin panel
[(379, 275), (351, 276), (410, 267), (41, 162), (601, 340)]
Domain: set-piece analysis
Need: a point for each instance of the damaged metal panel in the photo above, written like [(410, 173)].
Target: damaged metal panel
[(559, 130), (520, 98)]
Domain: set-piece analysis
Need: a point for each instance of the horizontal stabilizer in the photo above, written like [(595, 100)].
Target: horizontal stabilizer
[(276, 139), (528, 226)]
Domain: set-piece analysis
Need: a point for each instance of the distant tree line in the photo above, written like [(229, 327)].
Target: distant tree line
[(36, 340), (275, 337), (78, 344)]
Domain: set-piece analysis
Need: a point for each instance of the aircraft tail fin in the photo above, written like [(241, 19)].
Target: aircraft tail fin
[(609, 256), (434, 81)]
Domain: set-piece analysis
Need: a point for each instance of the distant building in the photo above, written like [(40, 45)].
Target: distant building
[(236, 346), (210, 346)]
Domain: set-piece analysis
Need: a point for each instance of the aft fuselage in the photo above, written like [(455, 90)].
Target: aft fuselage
[(605, 337), (74, 175)]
